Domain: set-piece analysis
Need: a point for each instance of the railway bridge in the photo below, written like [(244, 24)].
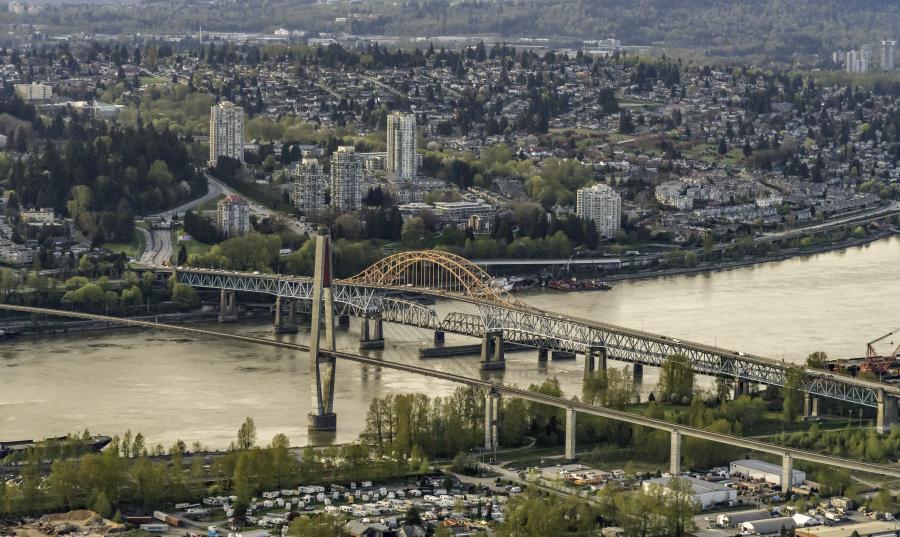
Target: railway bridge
[(493, 391), (374, 295)]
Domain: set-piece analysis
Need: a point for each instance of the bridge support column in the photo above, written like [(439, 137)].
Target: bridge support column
[(810, 406), (543, 354), (227, 306), (438, 337), (570, 434), (344, 321), (492, 358), (637, 371), (675, 454), (323, 367), (741, 387), (594, 359), (491, 421), (284, 316), (366, 338), (887, 412), (787, 473)]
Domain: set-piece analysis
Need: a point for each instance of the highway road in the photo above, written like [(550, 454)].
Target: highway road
[(261, 211), (158, 248), (508, 391)]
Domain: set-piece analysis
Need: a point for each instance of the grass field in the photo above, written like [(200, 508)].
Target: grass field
[(154, 80), (209, 205), (710, 153), (134, 249), (192, 247)]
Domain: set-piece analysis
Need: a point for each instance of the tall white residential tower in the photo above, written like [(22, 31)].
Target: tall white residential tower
[(226, 132), (401, 145), (346, 179), (601, 204)]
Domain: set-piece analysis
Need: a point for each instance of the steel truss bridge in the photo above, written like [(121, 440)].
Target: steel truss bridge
[(445, 275), (492, 389)]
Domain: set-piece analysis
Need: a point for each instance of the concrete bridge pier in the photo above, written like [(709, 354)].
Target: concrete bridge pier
[(492, 358), (227, 306), (637, 371), (787, 473), (810, 407), (323, 417), (371, 337), (675, 454), (285, 321), (491, 421), (343, 321), (570, 434), (741, 387), (887, 412), (543, 354), (594, 359), (439, 337)]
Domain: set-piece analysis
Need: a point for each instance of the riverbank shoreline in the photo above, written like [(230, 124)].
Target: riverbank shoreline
[(64, 329), (723, 266)]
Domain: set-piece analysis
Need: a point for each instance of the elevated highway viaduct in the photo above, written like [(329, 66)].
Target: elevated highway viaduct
[(494, 391), (371, 295)]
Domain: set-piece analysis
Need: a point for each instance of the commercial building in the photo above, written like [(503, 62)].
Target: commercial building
[(863, 529), (888, 51), (765, 471), (233, 216), (346, 179), (769, 526), (401, 145), (734, 520), (374, 162), (601, 204), (38, 216), (226, 132), (34, 91), (460, 213), (308, 194), (15, 254), (706, 493)]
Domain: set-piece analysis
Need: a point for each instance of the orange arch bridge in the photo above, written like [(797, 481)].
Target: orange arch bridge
[(441, 272)]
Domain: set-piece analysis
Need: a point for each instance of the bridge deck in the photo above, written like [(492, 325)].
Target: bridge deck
[(559, 402), (527, 325)]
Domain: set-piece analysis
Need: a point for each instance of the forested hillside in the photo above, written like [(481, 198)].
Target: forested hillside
[(766, 28)]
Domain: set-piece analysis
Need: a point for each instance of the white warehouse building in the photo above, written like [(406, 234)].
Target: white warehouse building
[(706, 493), (766, 471)]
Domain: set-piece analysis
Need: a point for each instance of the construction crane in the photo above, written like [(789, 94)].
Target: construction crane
[(875, 362)]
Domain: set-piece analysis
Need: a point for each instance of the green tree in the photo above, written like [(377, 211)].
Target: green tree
[(246, 437), (680, 506), (184, 296), (242, 481), (792, 394), (676, 379), (816, 360), (414, 232), (323, 525), (102, 506), (883, 500)]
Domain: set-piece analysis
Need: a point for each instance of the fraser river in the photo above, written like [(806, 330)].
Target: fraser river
[(170, 387)]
